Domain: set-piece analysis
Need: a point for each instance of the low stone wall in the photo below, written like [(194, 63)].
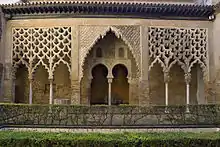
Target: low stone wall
[(96, 116)]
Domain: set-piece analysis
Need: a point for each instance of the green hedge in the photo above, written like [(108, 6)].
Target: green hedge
[(37, 139)]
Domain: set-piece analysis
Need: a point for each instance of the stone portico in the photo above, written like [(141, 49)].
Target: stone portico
[(107, 60)]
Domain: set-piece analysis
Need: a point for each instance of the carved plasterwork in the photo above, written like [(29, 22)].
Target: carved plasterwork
[(46, 46), (22, 44), (132, 35), (89, 35), (184, 46)]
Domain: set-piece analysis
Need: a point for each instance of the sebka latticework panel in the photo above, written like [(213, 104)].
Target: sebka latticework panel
[(184, 46), (46, 46), (90, 35)]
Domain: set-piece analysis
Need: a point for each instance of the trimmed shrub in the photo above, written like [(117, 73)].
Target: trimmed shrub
[(37, 139)]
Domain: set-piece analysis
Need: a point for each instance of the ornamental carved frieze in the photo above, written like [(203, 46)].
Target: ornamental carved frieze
[(89, 35), (41, 46), (184, 46)]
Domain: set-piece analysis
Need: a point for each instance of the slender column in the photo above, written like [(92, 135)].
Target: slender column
[(187, 80), (166, 93), (166, 81), (109, 91), (51, 91), (30, 91)]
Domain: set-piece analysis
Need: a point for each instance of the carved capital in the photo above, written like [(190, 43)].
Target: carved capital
[(187, 78), (166, 77), (110, 80)]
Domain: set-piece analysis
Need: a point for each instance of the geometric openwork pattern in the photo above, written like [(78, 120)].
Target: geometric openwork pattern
[(184, 46), (89, 35), (46, 46)]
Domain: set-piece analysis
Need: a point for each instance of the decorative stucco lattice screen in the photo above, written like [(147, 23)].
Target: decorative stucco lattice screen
[(89, 35), (184, 46), (46, 46)]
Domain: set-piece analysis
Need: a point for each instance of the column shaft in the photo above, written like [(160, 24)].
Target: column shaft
[(187, 80), (109, 91), (166, 81), (166, 94), (51, 92), (30, 92), (187, 94)]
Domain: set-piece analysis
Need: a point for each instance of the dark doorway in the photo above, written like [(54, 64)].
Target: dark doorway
[(120, 86), (99, 85)]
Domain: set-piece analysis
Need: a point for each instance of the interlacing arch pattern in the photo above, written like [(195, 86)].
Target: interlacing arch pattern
[(22, 47), (89, 35), (184, 46), (46, 46)]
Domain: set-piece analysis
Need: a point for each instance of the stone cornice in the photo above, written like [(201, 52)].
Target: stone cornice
[(108, 9)]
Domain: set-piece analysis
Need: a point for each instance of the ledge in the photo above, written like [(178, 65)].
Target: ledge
[(108, 9)]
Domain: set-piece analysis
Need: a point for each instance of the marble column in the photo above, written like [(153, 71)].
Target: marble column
[(166, 81), (109, 91), (51, 91), (187, 80), (30, 91)]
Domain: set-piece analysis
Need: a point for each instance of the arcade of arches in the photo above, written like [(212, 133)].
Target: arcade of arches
[(107, 73), (110, 76)]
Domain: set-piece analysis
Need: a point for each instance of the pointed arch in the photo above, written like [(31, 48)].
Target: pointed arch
[(99, 33)]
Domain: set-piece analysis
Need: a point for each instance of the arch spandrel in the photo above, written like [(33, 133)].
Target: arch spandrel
[(89, 35)]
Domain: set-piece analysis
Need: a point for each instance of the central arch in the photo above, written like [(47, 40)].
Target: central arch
[(109, 51), (99, 85), (120, 86)]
